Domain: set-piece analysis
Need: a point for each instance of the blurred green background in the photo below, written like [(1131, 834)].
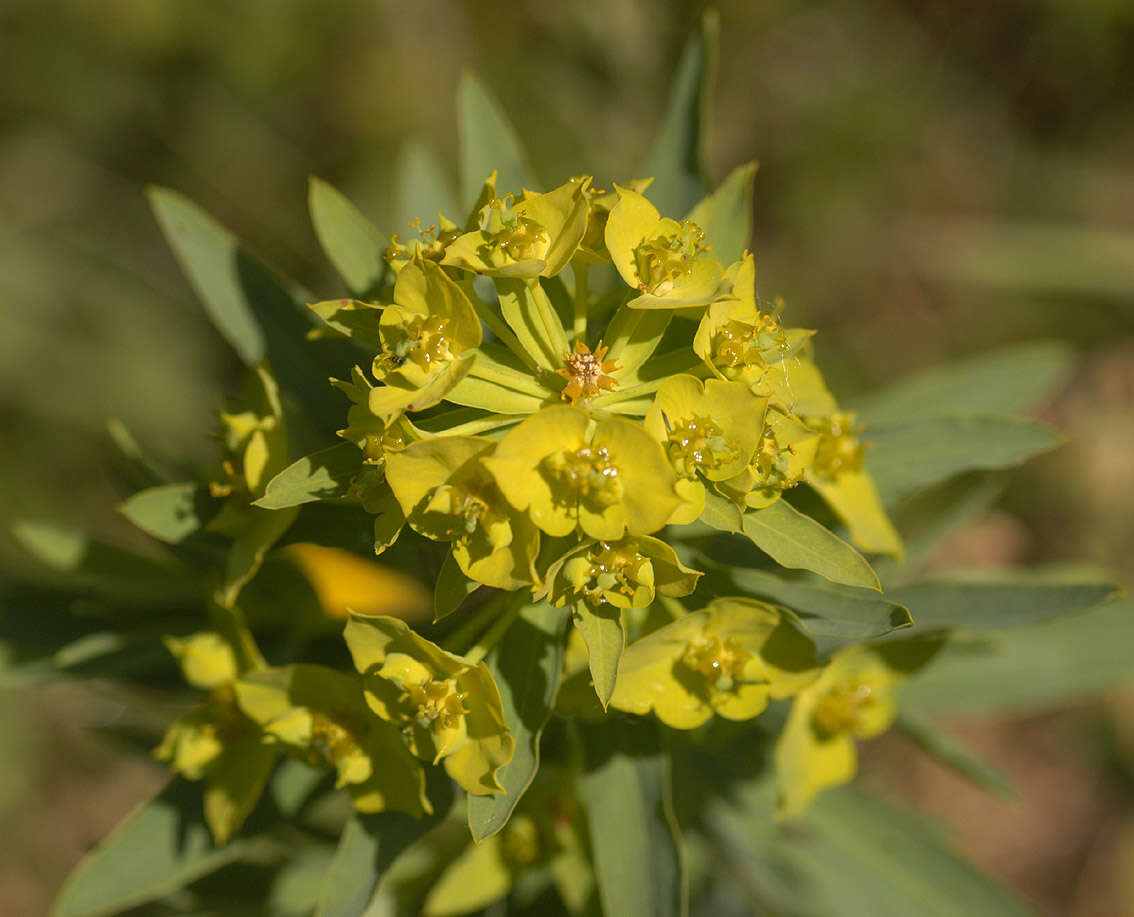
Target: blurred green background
[(937, 178)]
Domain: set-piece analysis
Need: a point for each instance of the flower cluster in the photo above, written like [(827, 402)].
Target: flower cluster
[(558, 388)]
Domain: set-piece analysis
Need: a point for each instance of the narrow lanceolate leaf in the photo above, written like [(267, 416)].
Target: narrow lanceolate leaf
[(936, 742), (488, 142), (322, 475), (798, 542), (602, 631), (351, 242), (824, 609), (1011, 380), (726, 214), (171, 512), (851, 855), (526, 665), (626, 791), (905, 458), (260, 313), (677, 159), (1029, 668), (424, 187), (1004, 600), (160, 848), (368, 848)]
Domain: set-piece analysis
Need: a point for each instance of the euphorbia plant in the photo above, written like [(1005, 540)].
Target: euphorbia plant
[(644, 522)]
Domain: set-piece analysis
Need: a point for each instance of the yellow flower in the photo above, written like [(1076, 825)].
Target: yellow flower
[(532, 237), (606, 482), (446, 707), (665, 261), (321, 716), (626, 573), (838, 476), (785, 451), (424, 333), (448, 495), (728, 659), (852, 699), (216, 742)]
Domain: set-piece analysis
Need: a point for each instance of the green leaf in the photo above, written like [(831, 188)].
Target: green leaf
[(261, 314), (677, 158), (826, 610), (1029, 668), (626, 792), (726, 215), (323, 475), (207, 253), (488, 142), (424, 187), (369, 847), (906, 458), (798, 542), (171, 512), (161, 847), (602, 631), (526, 664), (937, 743), (1012, 380), (999, 600), (351, 242), (105, 567), (850, 855), (452, 588), (248, 549)]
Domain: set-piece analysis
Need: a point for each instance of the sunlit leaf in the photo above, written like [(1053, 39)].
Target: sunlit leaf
[(798, 542), (323, 475), (350, 240)]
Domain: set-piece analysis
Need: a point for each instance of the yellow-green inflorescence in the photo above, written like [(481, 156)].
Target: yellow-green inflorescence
[(556, 383)]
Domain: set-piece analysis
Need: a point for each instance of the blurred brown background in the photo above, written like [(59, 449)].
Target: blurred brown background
[(937, 177)]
